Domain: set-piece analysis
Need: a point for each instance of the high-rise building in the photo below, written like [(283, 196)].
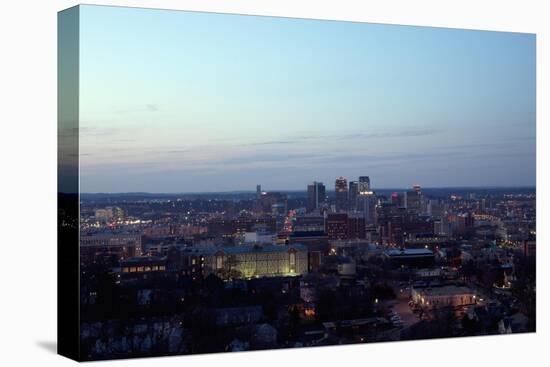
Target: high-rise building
[(364, 184), (336, 226), (356, 227), (341, 189), (367, 205), (413, 200), (366, 200), (258, 203), (390, 221), (352, 195), (316, 195), (343, 226)]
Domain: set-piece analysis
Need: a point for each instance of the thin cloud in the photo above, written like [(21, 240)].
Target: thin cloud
[(96, 131), (391, 134), (149, 107), (272, 157), (274, 142)]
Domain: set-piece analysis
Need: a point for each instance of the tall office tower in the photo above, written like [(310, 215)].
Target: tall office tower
[(258, 202), (258, 191), (341, 189), (316, 196), (352, 195), (364, 184), (367, 205), (366, 200), (413, 200), (321, 194)]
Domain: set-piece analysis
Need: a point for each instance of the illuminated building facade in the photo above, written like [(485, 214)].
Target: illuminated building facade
[(253, 261), (413, 200), (366, 200), (341, 190), (441, 296), (141, 268), (337, 226)]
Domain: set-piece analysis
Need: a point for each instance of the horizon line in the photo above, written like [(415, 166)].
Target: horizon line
[(301, 190)]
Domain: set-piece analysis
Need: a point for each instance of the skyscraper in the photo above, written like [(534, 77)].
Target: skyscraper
[(364, 184), (352, 195), (341, 189), (258, 201), (316, 196), (413, 199), (366, 200), (258, 191), (367, 204)]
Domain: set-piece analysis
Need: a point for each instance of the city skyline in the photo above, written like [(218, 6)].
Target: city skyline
[(330, 188), (202, 102)]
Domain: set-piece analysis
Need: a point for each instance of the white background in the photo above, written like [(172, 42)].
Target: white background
[(28, 181)]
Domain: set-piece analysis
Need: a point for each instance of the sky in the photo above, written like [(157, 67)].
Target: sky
[(174, 101)]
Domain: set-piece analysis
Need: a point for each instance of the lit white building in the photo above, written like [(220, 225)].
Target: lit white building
[(441, 296)]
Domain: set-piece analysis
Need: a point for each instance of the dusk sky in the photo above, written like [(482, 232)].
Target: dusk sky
[(174, 101)]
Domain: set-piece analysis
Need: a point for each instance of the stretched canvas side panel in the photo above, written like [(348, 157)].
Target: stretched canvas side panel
[(68, 339)]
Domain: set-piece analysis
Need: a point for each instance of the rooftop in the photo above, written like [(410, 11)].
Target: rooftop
[(210, 250), (410, 252), (144, 260), (445, 290)]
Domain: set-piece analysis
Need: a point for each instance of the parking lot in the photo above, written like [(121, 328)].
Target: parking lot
[(399, 307)]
